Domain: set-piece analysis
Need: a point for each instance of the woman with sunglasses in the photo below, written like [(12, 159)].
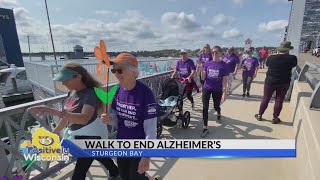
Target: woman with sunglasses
[(215, 76), (80, 115), (186, 69), (204, 57), (133, 111)]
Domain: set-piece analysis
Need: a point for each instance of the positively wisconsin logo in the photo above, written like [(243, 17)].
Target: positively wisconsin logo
[(45, 146)]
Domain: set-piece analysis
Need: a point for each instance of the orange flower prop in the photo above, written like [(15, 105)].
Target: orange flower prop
[(101, 54)]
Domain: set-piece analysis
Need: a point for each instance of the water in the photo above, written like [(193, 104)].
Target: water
[(17, 118), (147, 65)]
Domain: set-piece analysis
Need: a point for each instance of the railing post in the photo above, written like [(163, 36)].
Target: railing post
[(2, 105), (14, 85), (3, 161), (302, 75), (294, 76), (54, 83), (315, 97)]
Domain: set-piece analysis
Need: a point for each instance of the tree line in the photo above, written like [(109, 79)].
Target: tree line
[(156, 53)]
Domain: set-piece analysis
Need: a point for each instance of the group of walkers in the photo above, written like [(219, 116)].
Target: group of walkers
[(217, 72), (84, 116)]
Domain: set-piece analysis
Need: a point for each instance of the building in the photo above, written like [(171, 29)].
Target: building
[(286, 33), (77, 53), (10, 51), (304, 24)]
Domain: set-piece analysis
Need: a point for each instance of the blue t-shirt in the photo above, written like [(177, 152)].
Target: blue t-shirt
[(255, 54), (133, 107)]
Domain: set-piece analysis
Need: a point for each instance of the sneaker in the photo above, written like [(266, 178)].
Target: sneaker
[(258, 117), (219, 118), (205, 131), (243, 95), (117, 177), (276, 120), (248, 94)]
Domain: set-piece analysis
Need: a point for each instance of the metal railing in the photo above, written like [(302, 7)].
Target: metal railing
[(305, 75), (16, 130), (40, 73)]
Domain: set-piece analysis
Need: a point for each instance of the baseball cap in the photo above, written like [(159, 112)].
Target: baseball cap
[(126, 59), (183, 51), (65, 74)]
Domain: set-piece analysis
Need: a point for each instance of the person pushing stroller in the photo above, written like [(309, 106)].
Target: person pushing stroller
[(186, 69)]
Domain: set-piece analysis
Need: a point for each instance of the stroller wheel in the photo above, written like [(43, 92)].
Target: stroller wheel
[(186, 119), (159, 130)]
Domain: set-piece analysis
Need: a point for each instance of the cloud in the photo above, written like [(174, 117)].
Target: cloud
[(276, 1), (26, 26), (145, 35), (106, 13), (203, 9), (232, 33), (221, 19), (179, 22), (8, 3), (121, 34), (273, 26), (58, 9), (131, 31), (239, 2)]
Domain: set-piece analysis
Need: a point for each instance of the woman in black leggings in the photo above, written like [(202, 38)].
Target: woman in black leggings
[(250, 67), (215, 76)]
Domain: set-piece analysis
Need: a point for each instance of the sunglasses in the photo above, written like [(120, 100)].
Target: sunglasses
[(206, 47), (119, 71)]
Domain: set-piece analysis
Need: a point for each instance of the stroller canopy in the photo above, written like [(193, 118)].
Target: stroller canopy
[(169, 88)]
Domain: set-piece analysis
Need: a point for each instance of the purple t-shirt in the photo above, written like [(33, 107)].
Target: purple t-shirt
[(133, 107), (185, 67), (231, 61), (249, 66), (205, 57), (215, 71)]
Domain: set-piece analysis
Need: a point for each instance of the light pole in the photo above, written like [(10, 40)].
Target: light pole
[(29, 48), (54, 51)]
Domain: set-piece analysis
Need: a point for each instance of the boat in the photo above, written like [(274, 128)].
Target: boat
[(14, 80)]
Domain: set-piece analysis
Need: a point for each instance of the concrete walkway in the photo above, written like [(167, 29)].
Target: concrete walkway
[(238, 122)]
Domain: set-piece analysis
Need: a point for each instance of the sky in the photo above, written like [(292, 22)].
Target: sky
[(136, 25)]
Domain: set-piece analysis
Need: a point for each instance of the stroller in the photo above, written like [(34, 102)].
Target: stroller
[(170, 102)]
